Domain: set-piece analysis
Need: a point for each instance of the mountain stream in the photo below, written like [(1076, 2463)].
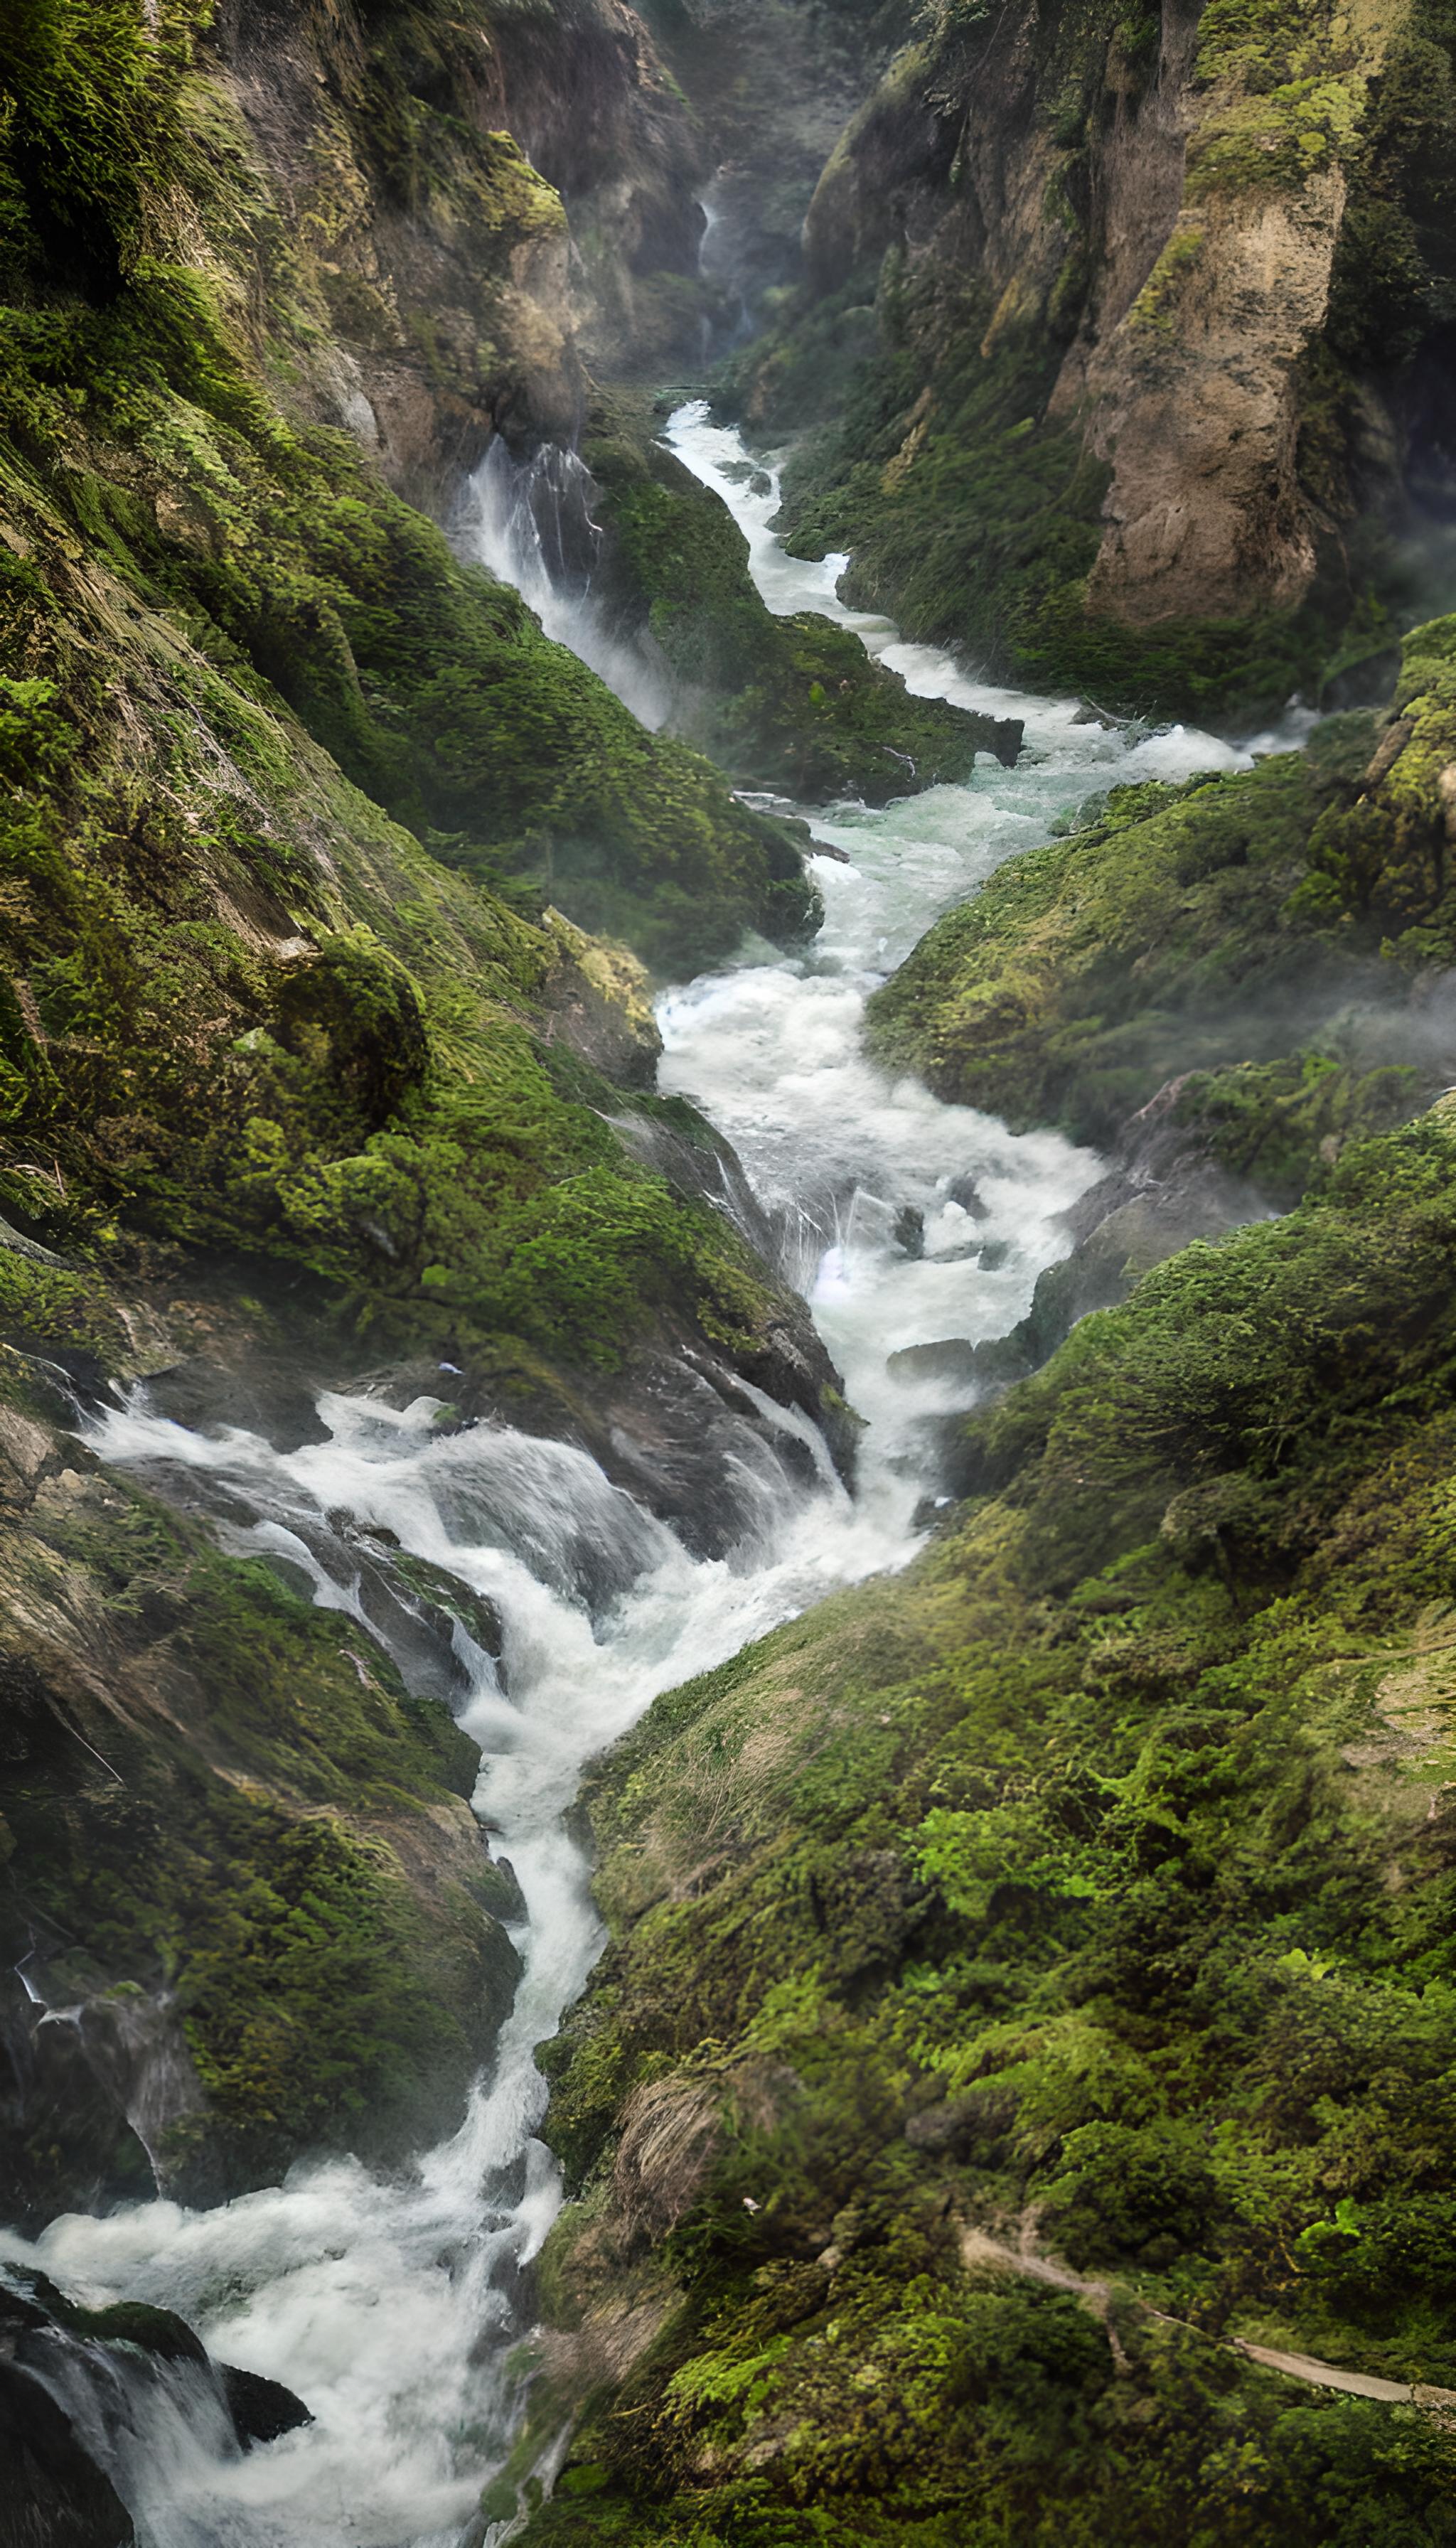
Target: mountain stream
[(391, 2302)]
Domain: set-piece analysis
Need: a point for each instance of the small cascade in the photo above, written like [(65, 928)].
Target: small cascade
[(724, 263), (905, 1222), (125, 2398), (392, 2304), (530, 521)]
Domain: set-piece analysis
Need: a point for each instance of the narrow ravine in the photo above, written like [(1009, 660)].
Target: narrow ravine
[(390, 2304)]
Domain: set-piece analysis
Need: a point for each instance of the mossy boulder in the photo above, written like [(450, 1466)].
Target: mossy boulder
[(217, 1805), (1205, 935), (231, 1812)]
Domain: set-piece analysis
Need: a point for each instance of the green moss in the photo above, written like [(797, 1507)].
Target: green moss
[(247, 1843), (793, 703), (1279, 1123), (49, 1305), (1090, 1884), (1199, 928), (240, 1003), (304, 1982)]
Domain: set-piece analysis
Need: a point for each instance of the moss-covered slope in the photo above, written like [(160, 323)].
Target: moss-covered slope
[(1231, 922), (151, 475), (1028, 1978), (241, 1003), (278, 1087), (793, 703), (1015, 2098)]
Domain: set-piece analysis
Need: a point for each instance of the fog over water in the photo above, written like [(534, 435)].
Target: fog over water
[(391, 2302)]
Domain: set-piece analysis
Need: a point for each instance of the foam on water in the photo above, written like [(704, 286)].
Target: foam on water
[(376, 2297), (775, 1051), (390, 2303)]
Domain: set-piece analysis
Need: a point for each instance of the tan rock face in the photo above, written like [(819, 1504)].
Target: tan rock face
[(1194, 399), (1172, 219), (1225, 198), (471, 205)]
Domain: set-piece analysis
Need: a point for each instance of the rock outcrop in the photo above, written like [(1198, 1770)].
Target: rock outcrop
[(788, 703), (1140, 322), (81, 2394), (471, 205)]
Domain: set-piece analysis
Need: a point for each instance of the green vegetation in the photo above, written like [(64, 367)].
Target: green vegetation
[(1278, 1123), (240, 1005), (967, 520), (237, 1807), (791, 703), (1029, 1978), (1201, 928), (297, 1058), (1089, 1886), (140, 427)]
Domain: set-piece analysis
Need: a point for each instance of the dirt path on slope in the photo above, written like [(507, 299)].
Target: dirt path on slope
[(977, 2248)]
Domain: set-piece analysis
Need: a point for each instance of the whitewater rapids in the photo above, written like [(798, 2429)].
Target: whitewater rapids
[(391, 2302)]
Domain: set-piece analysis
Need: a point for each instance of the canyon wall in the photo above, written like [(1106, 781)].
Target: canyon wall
[(1126, 340)]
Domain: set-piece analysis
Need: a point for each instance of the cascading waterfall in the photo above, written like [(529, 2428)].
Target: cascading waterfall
[(392, 2304), (720, 262), (530, 521)]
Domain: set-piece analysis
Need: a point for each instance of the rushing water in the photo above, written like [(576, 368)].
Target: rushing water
[(531, 520), (390, 2303)]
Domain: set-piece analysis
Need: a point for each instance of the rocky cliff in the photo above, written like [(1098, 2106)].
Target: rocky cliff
[(1016, 2100), (771, 83), (1127, 339), (472, 204)]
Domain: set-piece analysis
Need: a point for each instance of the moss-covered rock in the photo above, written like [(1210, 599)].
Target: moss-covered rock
[(1190, 930), (793, 703), (69, 2374), (215, 1803), (284, 1091), (1061, 411)]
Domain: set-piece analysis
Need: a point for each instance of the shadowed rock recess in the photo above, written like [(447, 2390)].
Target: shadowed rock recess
[(1015, 2104)]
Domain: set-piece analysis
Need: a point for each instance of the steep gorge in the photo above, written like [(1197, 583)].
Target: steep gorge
[(286, 1099), (383, 1348)]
